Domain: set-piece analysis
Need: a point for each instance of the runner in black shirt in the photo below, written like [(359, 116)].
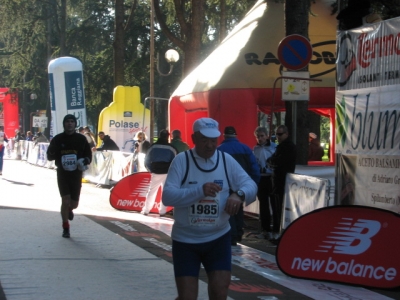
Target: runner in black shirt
[(72, 154)]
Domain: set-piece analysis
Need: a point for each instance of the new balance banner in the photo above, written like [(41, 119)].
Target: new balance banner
[(130, 193), (347, 244)]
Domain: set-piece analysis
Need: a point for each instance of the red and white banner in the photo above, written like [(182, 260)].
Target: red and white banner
[(369, 56), (347, 244), (302, 195), (131, 191), (9, 111)]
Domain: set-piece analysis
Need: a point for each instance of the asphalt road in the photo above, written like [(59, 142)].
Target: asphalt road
[(110, 246)]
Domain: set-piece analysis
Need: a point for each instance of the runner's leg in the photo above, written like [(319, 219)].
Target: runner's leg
[(188, 287), (218, 284)]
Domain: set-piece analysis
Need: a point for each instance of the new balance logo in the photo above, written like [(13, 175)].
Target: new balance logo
[(351, 238), (142, 189)]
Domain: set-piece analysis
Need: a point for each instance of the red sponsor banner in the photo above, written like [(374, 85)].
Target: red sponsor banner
[(130, 193), (348, 244), (9, 110)]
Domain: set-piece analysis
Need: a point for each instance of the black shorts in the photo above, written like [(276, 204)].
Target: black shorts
[(69, 183)]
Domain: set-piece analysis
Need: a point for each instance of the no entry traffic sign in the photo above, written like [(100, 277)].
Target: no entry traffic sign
[(294, 52)]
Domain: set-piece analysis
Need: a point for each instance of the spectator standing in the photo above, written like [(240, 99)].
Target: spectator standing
[(246, 159), (315, 151), (283, 161), (3, 138), (17, 145), (157, 161), (19, 136), (40, 138), (89, 136), (107, 143), (263, 151), (72, 154), (91, 142), (88, 132), (142, 145), (29, 136), (141, 148), (177, 141), (205, 186)]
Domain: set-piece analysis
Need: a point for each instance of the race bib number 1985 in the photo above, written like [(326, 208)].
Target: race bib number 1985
[(204, 212)]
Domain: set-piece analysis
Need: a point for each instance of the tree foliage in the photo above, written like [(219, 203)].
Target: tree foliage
[(197, 26), (34, 32), (110, 38)]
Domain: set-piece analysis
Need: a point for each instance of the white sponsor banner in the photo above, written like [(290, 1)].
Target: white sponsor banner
[(372, 180), (368, 121), (303, 194), (369, 56), (42, 156)]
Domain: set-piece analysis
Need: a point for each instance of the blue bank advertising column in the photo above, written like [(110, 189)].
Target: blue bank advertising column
[(66, 92)]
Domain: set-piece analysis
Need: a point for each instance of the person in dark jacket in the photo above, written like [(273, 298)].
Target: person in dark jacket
[(107, 144), (177, 141), (263, 151), (72, 154), (245, 157), (157, 161), (315, 151), (283, 161), (3, 138)]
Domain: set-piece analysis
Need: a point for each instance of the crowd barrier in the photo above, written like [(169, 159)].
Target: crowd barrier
[(107, 167)]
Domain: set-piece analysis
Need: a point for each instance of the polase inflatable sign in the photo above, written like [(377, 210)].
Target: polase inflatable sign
[(130, 193), (348, 244)]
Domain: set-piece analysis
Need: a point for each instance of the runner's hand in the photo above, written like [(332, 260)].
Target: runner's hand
[(210, 189)]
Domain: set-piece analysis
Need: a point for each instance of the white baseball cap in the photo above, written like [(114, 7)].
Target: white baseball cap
[(207, 127)]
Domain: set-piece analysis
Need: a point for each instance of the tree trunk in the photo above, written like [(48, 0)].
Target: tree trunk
[(119, 43), (222, 24), (296, 22), (193, 41), (63, 25), (191, 32)]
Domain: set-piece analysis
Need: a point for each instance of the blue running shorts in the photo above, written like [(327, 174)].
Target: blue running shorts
[(215, 256)]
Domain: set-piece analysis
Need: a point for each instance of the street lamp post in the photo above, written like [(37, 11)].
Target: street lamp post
[(171, 56)]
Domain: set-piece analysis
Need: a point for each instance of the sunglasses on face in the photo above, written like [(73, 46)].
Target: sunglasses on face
[(280, 133)]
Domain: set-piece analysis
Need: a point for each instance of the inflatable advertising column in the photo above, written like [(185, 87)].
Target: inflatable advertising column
[(66, 92), (9, 111), (123, 118)]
